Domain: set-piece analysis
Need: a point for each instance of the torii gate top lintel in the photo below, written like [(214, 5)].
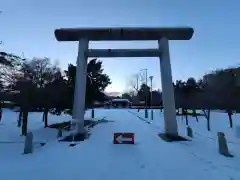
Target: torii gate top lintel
[(123, 34)]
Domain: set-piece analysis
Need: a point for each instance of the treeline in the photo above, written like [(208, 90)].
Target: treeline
[(219, 89), (216, 90), (143, 97), (38, 85)]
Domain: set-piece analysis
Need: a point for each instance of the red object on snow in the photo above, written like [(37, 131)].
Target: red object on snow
[(123, 138)]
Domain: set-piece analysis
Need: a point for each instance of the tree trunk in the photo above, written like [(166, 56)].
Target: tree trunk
[(19, 123), (208, 125), (207, 115), (43, 117), (25, 121), (229, 112), (45, 114), (196, 118), (184, 113), (195, 114), (186, 119), (0, 114)]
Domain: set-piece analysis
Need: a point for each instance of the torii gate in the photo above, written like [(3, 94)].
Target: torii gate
[(162, 35)]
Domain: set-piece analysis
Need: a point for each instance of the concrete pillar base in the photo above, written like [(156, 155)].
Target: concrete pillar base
[(171, 137), (77, 126), (80, 136), (75, 137), (189, 131)]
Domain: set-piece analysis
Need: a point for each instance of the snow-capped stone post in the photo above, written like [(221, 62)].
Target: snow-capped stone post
[(59, 133), (28, 144), (222, 145), (162, 35), (189, 131)]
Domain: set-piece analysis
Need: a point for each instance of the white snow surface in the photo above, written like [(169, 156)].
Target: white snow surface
[(99, 159)]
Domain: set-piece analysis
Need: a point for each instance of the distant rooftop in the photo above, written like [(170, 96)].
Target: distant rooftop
[(113, 94), (124, 33), (120, 100)]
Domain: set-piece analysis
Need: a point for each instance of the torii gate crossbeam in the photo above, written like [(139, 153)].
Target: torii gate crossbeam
[(108, 53), (162, 35)]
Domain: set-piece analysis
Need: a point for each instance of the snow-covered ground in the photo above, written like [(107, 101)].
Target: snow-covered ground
[(218, 122), (204, 144), (99, 159)]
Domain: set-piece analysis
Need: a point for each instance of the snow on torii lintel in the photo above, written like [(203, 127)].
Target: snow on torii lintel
[(124, 33)]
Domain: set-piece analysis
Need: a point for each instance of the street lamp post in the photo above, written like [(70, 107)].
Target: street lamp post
[(151, 78), (146, 81)]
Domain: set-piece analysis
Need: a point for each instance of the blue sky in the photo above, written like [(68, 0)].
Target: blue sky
[(28, 26)]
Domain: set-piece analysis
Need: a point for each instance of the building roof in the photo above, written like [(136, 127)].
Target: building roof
[(125, 33), (120, 100)]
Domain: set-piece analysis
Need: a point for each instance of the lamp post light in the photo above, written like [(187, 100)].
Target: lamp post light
[(151, 78)]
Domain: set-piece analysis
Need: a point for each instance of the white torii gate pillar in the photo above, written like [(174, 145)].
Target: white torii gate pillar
[(78, 110), (167, 88), (163, 35)]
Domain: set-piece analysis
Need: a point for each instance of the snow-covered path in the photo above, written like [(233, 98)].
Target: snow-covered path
[(150, 158), (99, 159)]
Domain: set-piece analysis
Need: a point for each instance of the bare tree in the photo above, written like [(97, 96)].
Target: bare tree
[(41, 71), (134, 83), (31, 80), (10, 66), (9, 63)]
